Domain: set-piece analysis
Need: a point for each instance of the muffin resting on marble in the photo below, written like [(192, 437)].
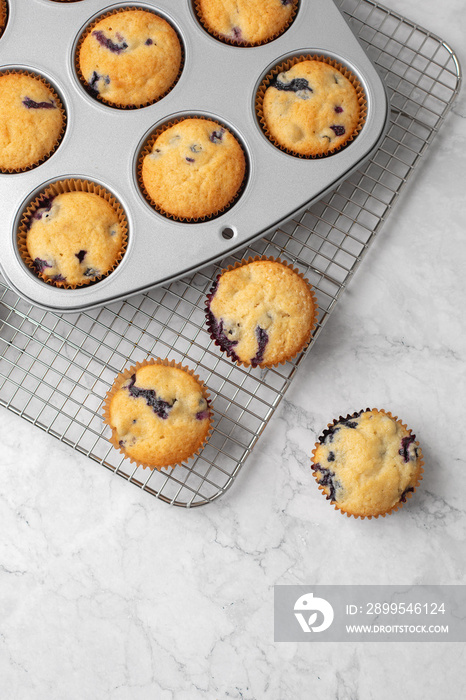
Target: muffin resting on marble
[(130, 58), (367, 464), (246, 21), (311, 109), (31, 120), (261, 313), (74, 238), (159, 414), (195, 169)]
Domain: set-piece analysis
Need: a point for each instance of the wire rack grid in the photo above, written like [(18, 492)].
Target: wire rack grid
[(55, 370)]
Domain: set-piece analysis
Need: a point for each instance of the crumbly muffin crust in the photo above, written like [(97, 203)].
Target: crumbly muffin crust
[(159, 414), (246, 21), (367, 463), (31, 120), (130, 58), (195, 169), (261, 313), (311, 109), (74, 238)]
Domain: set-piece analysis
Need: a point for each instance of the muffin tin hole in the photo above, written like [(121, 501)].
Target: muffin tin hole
[(132, 48), (71, 233), (184, 149)]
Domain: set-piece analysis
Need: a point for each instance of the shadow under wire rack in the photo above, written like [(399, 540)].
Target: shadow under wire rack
[(55, 370)]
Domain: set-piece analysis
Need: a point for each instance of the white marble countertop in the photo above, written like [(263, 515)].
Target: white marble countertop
[(106, 592)]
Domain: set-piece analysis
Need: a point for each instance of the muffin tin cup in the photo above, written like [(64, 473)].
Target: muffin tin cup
[(57, 98), (122, 378), (285, 66), (89, 29), (60, 187), (241, 263), (243, 44), (147, 149), (397, 505)]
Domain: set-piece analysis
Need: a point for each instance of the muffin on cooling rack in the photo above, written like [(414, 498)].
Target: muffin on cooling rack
[(73, 233), (129, 57), (261, 312), (246, 22), (159, 413), (32, 120), (368, 463), (192, 169), (310, 107)]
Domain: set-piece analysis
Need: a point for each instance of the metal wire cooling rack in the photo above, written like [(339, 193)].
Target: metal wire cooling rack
[(55, 371)]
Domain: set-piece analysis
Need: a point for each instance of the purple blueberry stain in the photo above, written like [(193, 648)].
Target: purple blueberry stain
[(404, 450), (338, 109), (338, 129), (149, 42), (237, 33), (81, 255), (190, 160), (202, 415), (331, 457), (41, 211), (58, 278), (90, 272), (41, 265), (160, 407), (217, 136), (286, 2), (262, 340), (94, 82), (329, 433), (295, 85), (32, 104), (327, 479), (108, 43), (410, 489)]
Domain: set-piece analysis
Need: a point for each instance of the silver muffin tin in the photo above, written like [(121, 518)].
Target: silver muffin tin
[(102, 143)]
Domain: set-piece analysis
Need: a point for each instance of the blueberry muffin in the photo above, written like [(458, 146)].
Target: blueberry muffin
[(130, 58), (261, 313), (248, 22), (74, 238), (193, 169), (159, 413), (367, 464), (32, 120), (312, 109), (3, 15)]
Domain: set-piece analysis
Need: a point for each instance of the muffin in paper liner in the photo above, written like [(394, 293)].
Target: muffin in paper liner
[(177, 448), (60, 129), (44, 201), (286, 66), (370, 466), (3, 15), (237, 41), (148, 150), (138, 103), (281, 355)]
